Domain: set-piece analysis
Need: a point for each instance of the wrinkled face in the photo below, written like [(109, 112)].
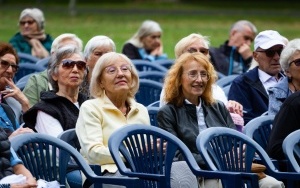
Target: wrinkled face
[(28, 25), (152, 41), (294, 67), (7, 70), (194, 80), (197, 46), (238, 38), (268, 60), (70, 75), (116, 78), (95, 55)]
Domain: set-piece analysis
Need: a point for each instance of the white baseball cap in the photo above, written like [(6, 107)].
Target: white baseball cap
[(267, 39)]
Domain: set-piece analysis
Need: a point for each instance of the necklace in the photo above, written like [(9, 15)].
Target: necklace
[(294, 86)]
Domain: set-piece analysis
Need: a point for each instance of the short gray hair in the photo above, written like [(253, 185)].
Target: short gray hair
[(98, 41), (239, 26), (57, 41), (101, 64), (55, 60), (288, 51)]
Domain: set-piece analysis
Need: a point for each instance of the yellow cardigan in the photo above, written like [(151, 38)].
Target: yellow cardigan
[(98, 119)]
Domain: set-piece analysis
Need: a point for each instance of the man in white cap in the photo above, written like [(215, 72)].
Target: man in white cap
[(251, 88)]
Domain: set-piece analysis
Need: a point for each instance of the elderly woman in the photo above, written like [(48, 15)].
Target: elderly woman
[(94, 49), (290, 64), (32, 38), (10, 94), (145, 43), (114, 83), (191, 107), (58, 109)]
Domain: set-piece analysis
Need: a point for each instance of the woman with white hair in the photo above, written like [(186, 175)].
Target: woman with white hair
[(145, 43), (32, 39)]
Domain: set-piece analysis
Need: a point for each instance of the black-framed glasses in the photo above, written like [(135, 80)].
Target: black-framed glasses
[(5, 64), (201, 50), (29, 22), (69, 64), (271, 53), (194, 75), (113, 69), (296, 61)]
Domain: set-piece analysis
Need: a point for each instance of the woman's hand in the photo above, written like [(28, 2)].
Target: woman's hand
[(38, 50), (21, 130), (234, 107)]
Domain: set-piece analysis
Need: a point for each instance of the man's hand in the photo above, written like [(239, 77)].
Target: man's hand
[(245, 51)]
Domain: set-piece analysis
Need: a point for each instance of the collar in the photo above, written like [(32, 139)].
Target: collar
[(264, 77)]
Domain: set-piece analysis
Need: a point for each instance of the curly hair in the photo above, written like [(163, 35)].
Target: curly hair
[(173, 80), (6, 48)]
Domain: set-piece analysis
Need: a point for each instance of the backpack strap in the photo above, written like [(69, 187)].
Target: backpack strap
[(10, 114)]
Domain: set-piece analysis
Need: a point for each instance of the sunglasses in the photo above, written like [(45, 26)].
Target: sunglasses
[(29, 22), (69, 64), (201, 50), (296, 61), (271, 53), (5, 64)]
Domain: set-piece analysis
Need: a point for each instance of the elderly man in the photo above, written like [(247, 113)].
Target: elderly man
[(235, 55), (250, 89)]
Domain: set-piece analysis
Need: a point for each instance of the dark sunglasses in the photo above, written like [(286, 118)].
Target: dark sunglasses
[(271, 53), (29, 22), (201, 50), (5, 64), (69, 64), (296, 61)]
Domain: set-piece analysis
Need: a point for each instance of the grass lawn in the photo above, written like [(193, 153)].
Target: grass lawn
[(120, 21)]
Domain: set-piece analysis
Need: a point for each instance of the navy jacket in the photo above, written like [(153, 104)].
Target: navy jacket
[(248, 90)]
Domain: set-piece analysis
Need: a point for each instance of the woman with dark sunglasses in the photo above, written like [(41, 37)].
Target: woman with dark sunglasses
[(58, 109), (32, 38), (290, 64)]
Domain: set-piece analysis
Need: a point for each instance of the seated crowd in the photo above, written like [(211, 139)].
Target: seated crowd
[(92, 90)]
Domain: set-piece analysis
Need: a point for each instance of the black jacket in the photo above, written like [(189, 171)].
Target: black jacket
[(56, 106), (5, 167), (224, 55), (183, 123)]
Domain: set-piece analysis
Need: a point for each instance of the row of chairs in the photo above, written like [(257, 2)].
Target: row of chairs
[(48, 157)]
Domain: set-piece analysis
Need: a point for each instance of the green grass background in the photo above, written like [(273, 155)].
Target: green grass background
[(120, 20)]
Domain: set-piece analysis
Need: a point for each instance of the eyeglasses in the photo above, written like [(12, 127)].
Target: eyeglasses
[(201, 50), (69, 64), (113, 69), (29, 22), (194, 75), (5, 64), (296, 61), (271, 53)]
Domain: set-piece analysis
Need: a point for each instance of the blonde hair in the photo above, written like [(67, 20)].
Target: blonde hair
[(101, 64), (173, 80)]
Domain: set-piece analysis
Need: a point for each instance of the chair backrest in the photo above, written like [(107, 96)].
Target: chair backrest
[(291, 149), (151, 161), (227, 80), (27, 68), (27, 58), (152, 111), (167, 63), (220, 75), (70, 137), (259, 129), (43, 62), (153, 75), (46, 157), (226, 90), (154, 104), (149, 92), (143, 65)]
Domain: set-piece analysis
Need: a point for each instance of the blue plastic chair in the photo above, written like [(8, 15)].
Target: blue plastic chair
[(27, 68), (227, 80), (152, 111), (167, 63), (149, 92), (291, 149), (154, 104), (27, 58), (43, 62), (153, 165), (47, 157), (153, 75), (143, 65), (222, 148)]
